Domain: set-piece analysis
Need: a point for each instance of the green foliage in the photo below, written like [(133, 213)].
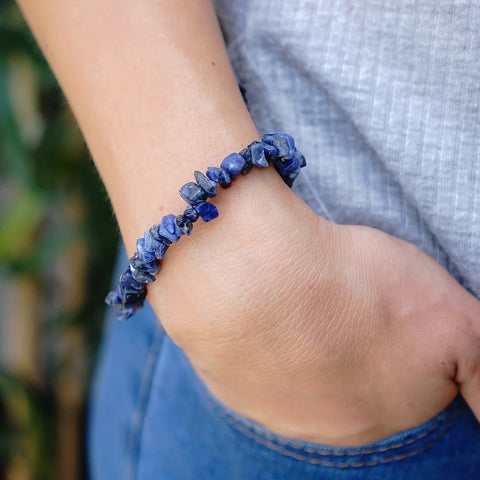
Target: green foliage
[(52, 203)]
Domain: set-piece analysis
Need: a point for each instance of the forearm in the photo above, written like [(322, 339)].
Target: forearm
[(152, 89)]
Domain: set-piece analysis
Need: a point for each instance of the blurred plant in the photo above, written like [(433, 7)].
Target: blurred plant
[(57, 235)]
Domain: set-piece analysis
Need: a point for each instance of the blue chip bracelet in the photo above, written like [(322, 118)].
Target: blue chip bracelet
[(276, 148)]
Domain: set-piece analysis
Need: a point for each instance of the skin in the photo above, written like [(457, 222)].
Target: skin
[(333, 334)]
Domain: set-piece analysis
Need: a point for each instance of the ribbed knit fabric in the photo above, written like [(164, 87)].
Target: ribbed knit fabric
[(383, 99)]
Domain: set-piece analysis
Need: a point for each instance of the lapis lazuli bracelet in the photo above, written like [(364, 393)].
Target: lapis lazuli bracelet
[(276, 148)]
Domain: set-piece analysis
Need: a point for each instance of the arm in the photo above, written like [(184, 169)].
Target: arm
[(325, 343), (153, 92)]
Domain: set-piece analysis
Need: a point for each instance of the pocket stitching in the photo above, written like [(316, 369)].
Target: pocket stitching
[(277, 445)]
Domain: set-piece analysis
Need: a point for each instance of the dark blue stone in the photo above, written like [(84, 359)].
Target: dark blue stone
[(247, 156), (220, 176), (132, 292), (143, 277), (143, 272), (284, 143), (128, 283), (155, 245), (207, 185), (288, 169), (139, 264), (285, 167), (167, 229), (190, 214), (258, 155), (154, 236), (192, 193), (143, 253), (207, 211), (233, 164), (270, 151), (133, 299), (184, 224), (114, 298)]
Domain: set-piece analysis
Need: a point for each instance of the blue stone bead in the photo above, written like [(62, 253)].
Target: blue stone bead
[(207, 211), (155, 245), (220, 176), (133, 299), (247, 156), (154, 235), (207, 185), (192, 193), (143, 272), (128, 283), (258, 155), (114, 298), (141, 276), (284, 166), (301, 159), (233, 164), (138, 264), (167, 229), (190, 214), (184, 224), (143, 253), (133, 293), (288, 169), (270, 151), (284, 143)]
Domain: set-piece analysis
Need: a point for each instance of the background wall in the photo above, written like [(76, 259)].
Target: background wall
[(58, 240)]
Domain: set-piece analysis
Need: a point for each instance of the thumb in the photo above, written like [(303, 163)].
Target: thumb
[(468, 364)]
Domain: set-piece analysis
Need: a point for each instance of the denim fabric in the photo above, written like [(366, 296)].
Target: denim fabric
[(383, 99)]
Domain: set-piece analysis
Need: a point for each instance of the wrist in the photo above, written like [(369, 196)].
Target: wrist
[(276, 149)]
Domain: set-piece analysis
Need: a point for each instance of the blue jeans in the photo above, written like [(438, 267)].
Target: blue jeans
[(151, 417)]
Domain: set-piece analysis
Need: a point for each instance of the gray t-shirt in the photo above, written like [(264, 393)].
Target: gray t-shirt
[(383, 99)]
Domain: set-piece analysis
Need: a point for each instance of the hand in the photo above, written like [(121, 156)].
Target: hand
[(333, 334)]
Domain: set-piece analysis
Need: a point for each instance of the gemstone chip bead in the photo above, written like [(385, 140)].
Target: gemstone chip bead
[(258, 155), (143, 272), (168, 229), (284, 143), (192, 193), (190, 214), (155, 245), (247, 156), (234, 164), (220, 176), (207, 185), (207, 211), (184, 224), (143, 253)]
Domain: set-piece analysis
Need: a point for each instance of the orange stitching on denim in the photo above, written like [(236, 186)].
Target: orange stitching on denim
[(247, 431), (268, 435), (379, 449), (326, 463)]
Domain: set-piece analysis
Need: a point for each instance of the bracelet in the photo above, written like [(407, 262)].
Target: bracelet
[(276, 148)]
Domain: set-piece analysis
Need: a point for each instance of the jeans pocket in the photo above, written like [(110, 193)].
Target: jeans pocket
[(435, 447), (187, 434)]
